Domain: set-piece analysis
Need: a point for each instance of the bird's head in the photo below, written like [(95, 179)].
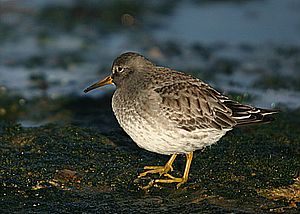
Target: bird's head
[(123, 67)]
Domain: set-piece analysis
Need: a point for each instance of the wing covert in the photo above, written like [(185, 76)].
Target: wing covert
[(193, 105)]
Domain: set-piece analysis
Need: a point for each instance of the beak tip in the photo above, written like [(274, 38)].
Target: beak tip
[(106, 81)]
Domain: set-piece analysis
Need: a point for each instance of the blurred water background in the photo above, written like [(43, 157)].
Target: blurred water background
[(51, 50)]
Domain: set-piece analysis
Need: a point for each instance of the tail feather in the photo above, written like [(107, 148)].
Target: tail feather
[(246, 114)]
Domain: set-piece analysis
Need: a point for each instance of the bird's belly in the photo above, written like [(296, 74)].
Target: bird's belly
[(151, 134)]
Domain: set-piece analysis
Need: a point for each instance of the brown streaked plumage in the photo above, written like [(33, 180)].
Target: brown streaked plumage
[(170, 112)]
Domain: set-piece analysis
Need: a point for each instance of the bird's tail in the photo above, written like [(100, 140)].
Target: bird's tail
[(247, 115)]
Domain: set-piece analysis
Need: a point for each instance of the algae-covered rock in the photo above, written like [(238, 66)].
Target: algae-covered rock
[(66, 168)]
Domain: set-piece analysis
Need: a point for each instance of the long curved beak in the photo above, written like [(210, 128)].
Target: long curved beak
[(106, 81)]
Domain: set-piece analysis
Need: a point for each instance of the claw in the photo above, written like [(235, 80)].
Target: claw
[(153, 169), (171, 179), (163, 170), (159, 169), (150, 184), (156, 169)]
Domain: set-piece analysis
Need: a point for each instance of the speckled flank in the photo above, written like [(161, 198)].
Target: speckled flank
[(159, 135)]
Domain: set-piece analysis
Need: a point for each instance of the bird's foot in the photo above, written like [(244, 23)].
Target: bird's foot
[(162, 170), (170, 179)]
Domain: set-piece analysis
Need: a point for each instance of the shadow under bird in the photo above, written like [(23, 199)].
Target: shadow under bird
[(170, 112)]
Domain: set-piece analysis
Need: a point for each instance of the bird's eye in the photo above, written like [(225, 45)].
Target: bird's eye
[(119, 69)]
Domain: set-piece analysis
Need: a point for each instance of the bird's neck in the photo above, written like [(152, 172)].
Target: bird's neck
[(136, 82)]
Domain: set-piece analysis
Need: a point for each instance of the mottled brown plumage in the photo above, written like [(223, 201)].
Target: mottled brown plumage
[(170, 112)]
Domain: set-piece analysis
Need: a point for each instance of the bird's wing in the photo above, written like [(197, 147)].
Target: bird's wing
[(245, 114), (191, 105)]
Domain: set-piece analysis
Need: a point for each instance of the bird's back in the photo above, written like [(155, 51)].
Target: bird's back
[(195, 104)]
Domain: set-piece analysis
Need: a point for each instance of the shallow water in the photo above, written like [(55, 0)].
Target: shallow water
[(246, 22)]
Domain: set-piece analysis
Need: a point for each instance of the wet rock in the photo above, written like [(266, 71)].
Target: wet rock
[(69, 168)]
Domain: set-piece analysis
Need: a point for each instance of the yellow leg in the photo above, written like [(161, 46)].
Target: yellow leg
[(159, 169), (172, 179)]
